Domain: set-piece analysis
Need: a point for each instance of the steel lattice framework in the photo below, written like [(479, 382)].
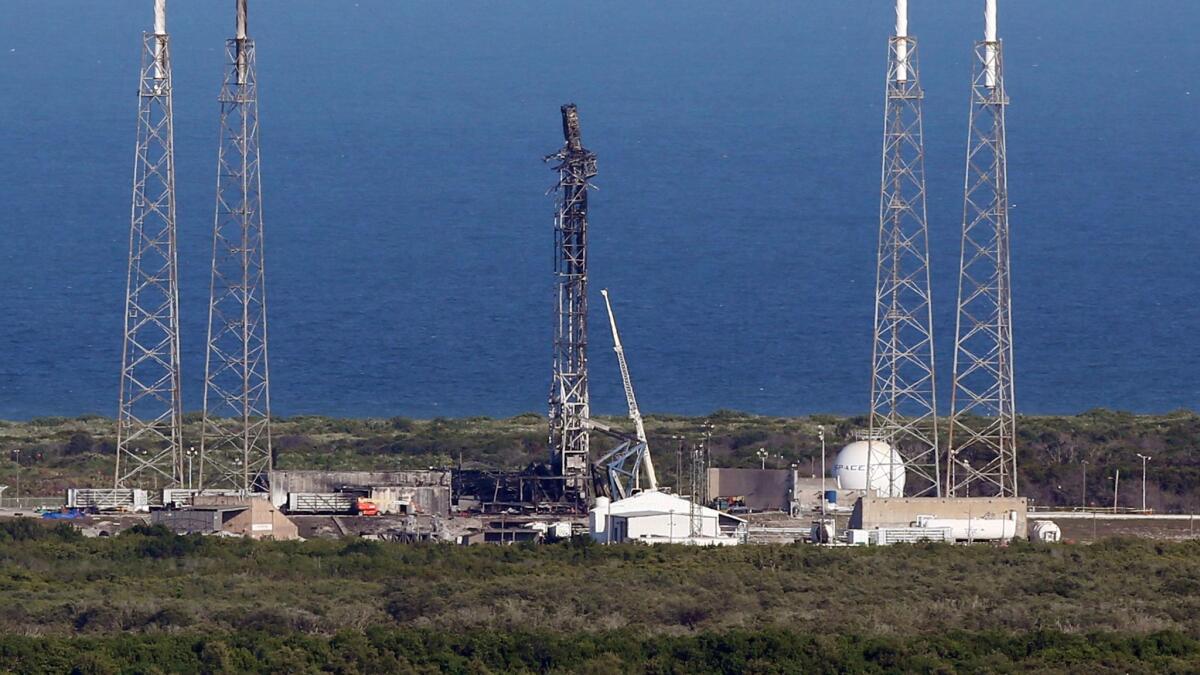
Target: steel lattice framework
[(982, 459), (236, 443), (569, 409), (903, 401), (148, 422)]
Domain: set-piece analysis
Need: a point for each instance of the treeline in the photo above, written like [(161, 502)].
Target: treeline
[(390, 650), (57, 452)]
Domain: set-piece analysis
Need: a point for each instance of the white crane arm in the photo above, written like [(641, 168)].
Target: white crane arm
[(634, 413)]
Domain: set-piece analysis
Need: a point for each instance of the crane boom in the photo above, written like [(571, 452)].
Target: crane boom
[(634, 413)]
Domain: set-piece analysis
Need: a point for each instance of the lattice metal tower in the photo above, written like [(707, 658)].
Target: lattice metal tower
[(569, 410), (903, 402), (148, 422), (982, 460), (235, 449)]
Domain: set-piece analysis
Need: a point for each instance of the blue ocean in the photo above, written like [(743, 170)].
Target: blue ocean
[(409, 234)]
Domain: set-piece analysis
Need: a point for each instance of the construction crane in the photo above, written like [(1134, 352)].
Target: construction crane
[(634, 413)]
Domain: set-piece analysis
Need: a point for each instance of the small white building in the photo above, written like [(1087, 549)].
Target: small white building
[(654, 517)]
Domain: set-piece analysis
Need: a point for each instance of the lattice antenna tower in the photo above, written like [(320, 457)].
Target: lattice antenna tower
[(148, 421), (569, 408), (903, 400), (982, 459), (236, 443)]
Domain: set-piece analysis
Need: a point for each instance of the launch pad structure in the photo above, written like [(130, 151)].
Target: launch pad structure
[(235, 441), (569, 438)]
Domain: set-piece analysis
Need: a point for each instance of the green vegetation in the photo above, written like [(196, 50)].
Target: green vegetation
[(150, 601), (384, 650), (57, 452)]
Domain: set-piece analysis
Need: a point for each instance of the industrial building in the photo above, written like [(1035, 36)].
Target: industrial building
[(425, 492), (246, 517), (969, 518), (777, 490), (654, 517)]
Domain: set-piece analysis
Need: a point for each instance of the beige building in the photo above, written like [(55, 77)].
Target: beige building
[(876, 512), (246, 517)]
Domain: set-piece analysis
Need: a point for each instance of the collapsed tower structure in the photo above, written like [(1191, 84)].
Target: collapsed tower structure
[(982, 457), (569, 407), (235, 446), (903, 400), (149, 444)]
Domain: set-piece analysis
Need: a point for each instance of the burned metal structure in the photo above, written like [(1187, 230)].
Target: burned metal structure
[(235, 446), (149, 446), (569, 408), (982, 457), (903, 398)]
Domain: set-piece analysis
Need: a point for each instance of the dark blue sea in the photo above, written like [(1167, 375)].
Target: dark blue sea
[(409, 236)]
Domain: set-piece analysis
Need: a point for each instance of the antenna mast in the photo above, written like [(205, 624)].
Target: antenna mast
[(903, 400), (235, 446), (149, 442), (569, 408), (983, 458)]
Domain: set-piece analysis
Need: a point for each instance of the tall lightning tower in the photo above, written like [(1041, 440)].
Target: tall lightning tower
[(982, 460), (903, 403), (148, 421), (569, 410), (235, 447)]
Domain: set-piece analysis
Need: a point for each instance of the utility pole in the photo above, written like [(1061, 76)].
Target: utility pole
[(903, 396), (678, 463), (149, 414), (235, 441), (569, 406), (1116, 485), (821, 435), (1084, 485), (982, 437), (1144, 459)]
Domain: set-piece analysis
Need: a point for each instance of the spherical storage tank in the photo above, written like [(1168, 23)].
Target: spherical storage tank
[(887, 468)]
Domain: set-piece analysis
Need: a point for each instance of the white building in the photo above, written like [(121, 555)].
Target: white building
[(654, 517)]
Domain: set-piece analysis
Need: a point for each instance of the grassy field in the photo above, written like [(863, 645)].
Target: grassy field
[(191, 603), (57, 452)]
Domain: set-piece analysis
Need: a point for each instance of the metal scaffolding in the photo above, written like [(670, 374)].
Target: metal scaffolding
[(903, 399), (149, 444), (982, 460), (235, 447), (569, 409)]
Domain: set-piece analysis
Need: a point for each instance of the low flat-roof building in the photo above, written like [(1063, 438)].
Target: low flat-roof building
[(246, 517), (400, 492), (654, 517)]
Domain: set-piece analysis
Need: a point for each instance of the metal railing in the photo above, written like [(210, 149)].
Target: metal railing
[(31, 502)]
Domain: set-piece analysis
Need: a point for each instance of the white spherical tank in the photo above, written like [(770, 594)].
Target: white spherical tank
[(886, 465)]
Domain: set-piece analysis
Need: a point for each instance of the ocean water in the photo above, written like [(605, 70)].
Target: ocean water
[(409, 236)]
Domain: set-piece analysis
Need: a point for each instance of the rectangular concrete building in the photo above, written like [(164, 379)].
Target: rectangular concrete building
[(875, 512), (420, 491)]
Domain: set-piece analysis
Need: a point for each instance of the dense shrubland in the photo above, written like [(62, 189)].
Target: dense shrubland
[(55, 582)]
